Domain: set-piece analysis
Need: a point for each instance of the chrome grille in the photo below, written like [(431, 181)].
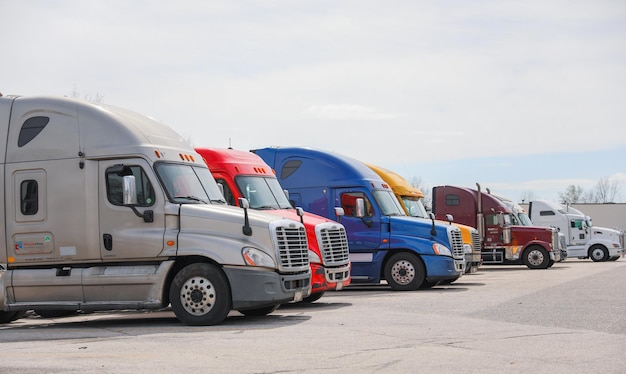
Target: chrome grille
[(475, 241), (292, 247), (456, 241), (333, 243)]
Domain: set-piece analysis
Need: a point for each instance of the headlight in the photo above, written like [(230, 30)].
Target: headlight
[(467, 248), (441, 250), (314, 258), (256, 257)]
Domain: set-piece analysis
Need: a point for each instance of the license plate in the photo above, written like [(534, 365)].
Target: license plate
[(298, 296), (339, 286)]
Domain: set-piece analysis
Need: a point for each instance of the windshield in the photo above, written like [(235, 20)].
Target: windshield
[(414, 207), (524, 219), (262, 192), (189, 184), (388, 203)]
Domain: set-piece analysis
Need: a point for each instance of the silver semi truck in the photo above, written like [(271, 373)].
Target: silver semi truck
[(105, 209)]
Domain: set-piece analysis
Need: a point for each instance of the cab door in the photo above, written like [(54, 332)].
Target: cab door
[(364, 235), (124, 235)]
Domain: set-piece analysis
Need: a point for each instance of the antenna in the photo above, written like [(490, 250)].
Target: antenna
[(230, 146)]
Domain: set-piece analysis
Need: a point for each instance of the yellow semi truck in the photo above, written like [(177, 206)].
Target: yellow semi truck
[(411, 200)]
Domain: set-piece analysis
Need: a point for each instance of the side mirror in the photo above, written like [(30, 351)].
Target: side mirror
[(339, 211), (449, 218), (221, 188), (129, 190), (243, 203), (360, 208)]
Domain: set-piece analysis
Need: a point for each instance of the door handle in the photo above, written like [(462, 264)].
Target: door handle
[(108, 241)]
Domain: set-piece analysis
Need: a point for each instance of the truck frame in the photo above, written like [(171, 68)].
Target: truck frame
[(582, 239), (501, 241), (384, 243), (245, 175), (106, 209)]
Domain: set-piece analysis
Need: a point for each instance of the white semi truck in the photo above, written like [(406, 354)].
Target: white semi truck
[(105, 209), (582, 239)]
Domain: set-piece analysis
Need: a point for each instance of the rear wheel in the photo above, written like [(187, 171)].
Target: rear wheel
[(598, 253), (536, 257), (200, 295), (404, 272)]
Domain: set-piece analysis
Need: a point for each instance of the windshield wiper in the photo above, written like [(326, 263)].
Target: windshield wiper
[(193, 198)]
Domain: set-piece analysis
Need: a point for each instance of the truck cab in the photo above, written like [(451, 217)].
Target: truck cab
[(582, 238), (384, 243), (106, 209), (520, 217), (502, 241), (410, 198), (245, 175)]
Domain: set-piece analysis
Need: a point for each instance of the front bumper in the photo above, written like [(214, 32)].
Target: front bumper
[(256, 287)]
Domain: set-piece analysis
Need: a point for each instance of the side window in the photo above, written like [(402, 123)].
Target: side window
[(29, 197), (228, 194), (453, 200), (547, 213), (30, 129), (491, 219), (348, 203), (145, 191), (289, 168)]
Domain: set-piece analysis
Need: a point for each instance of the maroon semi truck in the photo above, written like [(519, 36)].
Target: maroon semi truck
[(502, 242)]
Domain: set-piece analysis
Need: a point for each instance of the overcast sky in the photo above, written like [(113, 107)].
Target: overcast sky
[(516, 95)]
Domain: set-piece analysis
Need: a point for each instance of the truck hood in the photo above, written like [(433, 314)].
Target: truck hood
[(605, 232), (419, 227), (225, 216)]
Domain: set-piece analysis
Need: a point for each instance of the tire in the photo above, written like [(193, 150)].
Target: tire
[(313, 297), (427, 285), (54, 313), (7, 317), (404, 272), (200, 295), (614, 258), (598, 253), (536, 257), (259, 311)]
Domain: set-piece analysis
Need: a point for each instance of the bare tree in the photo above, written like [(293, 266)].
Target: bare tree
[(607, 190), (571, 194), (97, 99), (426, 190), (527, 196), (588, 197)]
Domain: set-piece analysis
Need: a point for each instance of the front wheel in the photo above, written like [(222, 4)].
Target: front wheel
[(200, 295), (313, 297), (614, 258), (536, 257), (6, 317), (259, 311), (404, 272), (598, 253)]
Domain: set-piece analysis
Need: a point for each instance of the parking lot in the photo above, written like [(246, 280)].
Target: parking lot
[(567, 319)]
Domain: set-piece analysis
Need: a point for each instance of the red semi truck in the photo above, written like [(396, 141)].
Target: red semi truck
[(502, 242), (244, 174)]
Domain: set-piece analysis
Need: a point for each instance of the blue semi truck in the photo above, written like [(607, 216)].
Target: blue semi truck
[(408, 252)]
